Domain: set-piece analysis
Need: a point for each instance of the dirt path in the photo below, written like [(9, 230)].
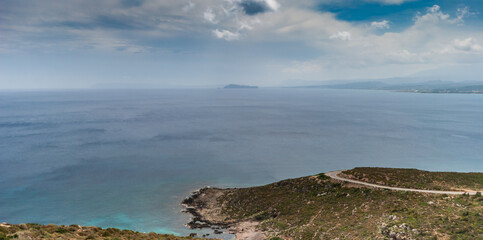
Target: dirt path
[(334, 175)]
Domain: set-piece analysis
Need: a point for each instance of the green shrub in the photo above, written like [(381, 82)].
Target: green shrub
[(262, 216), (323, 177), (61, 230), (276, 238)]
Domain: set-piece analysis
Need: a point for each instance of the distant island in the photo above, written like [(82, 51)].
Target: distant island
[(325, 207), (231, 86)]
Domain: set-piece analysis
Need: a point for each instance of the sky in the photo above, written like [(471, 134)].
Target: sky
[(48, 44)]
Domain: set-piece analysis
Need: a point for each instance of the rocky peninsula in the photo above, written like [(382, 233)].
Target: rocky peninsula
[(320, 207)]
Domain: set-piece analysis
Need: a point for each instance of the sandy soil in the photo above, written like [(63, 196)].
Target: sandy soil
[(247, 231)]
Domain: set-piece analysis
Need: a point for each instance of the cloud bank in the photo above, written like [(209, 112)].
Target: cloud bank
[(275, 39)]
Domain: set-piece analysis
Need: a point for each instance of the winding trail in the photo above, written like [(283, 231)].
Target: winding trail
[(335, 175)]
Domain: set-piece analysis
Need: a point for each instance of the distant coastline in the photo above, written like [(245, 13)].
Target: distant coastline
[(418, 87), (236, 86)]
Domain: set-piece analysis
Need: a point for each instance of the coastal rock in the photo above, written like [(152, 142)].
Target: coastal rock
[(206, 213), (203, 207)]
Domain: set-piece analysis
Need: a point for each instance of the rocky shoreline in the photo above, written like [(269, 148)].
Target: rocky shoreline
[(325, 207), (206, 212), (201, 204)]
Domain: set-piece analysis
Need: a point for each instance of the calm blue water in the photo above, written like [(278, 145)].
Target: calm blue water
[(127, 158)]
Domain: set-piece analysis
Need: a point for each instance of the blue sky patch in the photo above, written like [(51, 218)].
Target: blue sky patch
[(400, 16)]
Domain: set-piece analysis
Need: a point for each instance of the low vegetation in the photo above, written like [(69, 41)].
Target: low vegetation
[(320, 208), (413, 178), (36, 231)]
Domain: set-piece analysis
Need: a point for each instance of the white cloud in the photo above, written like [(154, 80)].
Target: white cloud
[(209, 16), (344, 36), (384, 24), (390, 2), (462, 13), (227, 35), (272, 4), (188, 6), (435, 15), (434, 9), (469, 44), (235, 17)]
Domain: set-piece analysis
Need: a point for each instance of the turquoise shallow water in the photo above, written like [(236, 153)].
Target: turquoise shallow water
[(127, 158)]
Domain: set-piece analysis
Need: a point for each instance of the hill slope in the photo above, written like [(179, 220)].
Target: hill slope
[(414, 178), (317, 207), (36, 231)]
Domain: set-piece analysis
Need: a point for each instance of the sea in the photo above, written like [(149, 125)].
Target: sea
[(127, 158)]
